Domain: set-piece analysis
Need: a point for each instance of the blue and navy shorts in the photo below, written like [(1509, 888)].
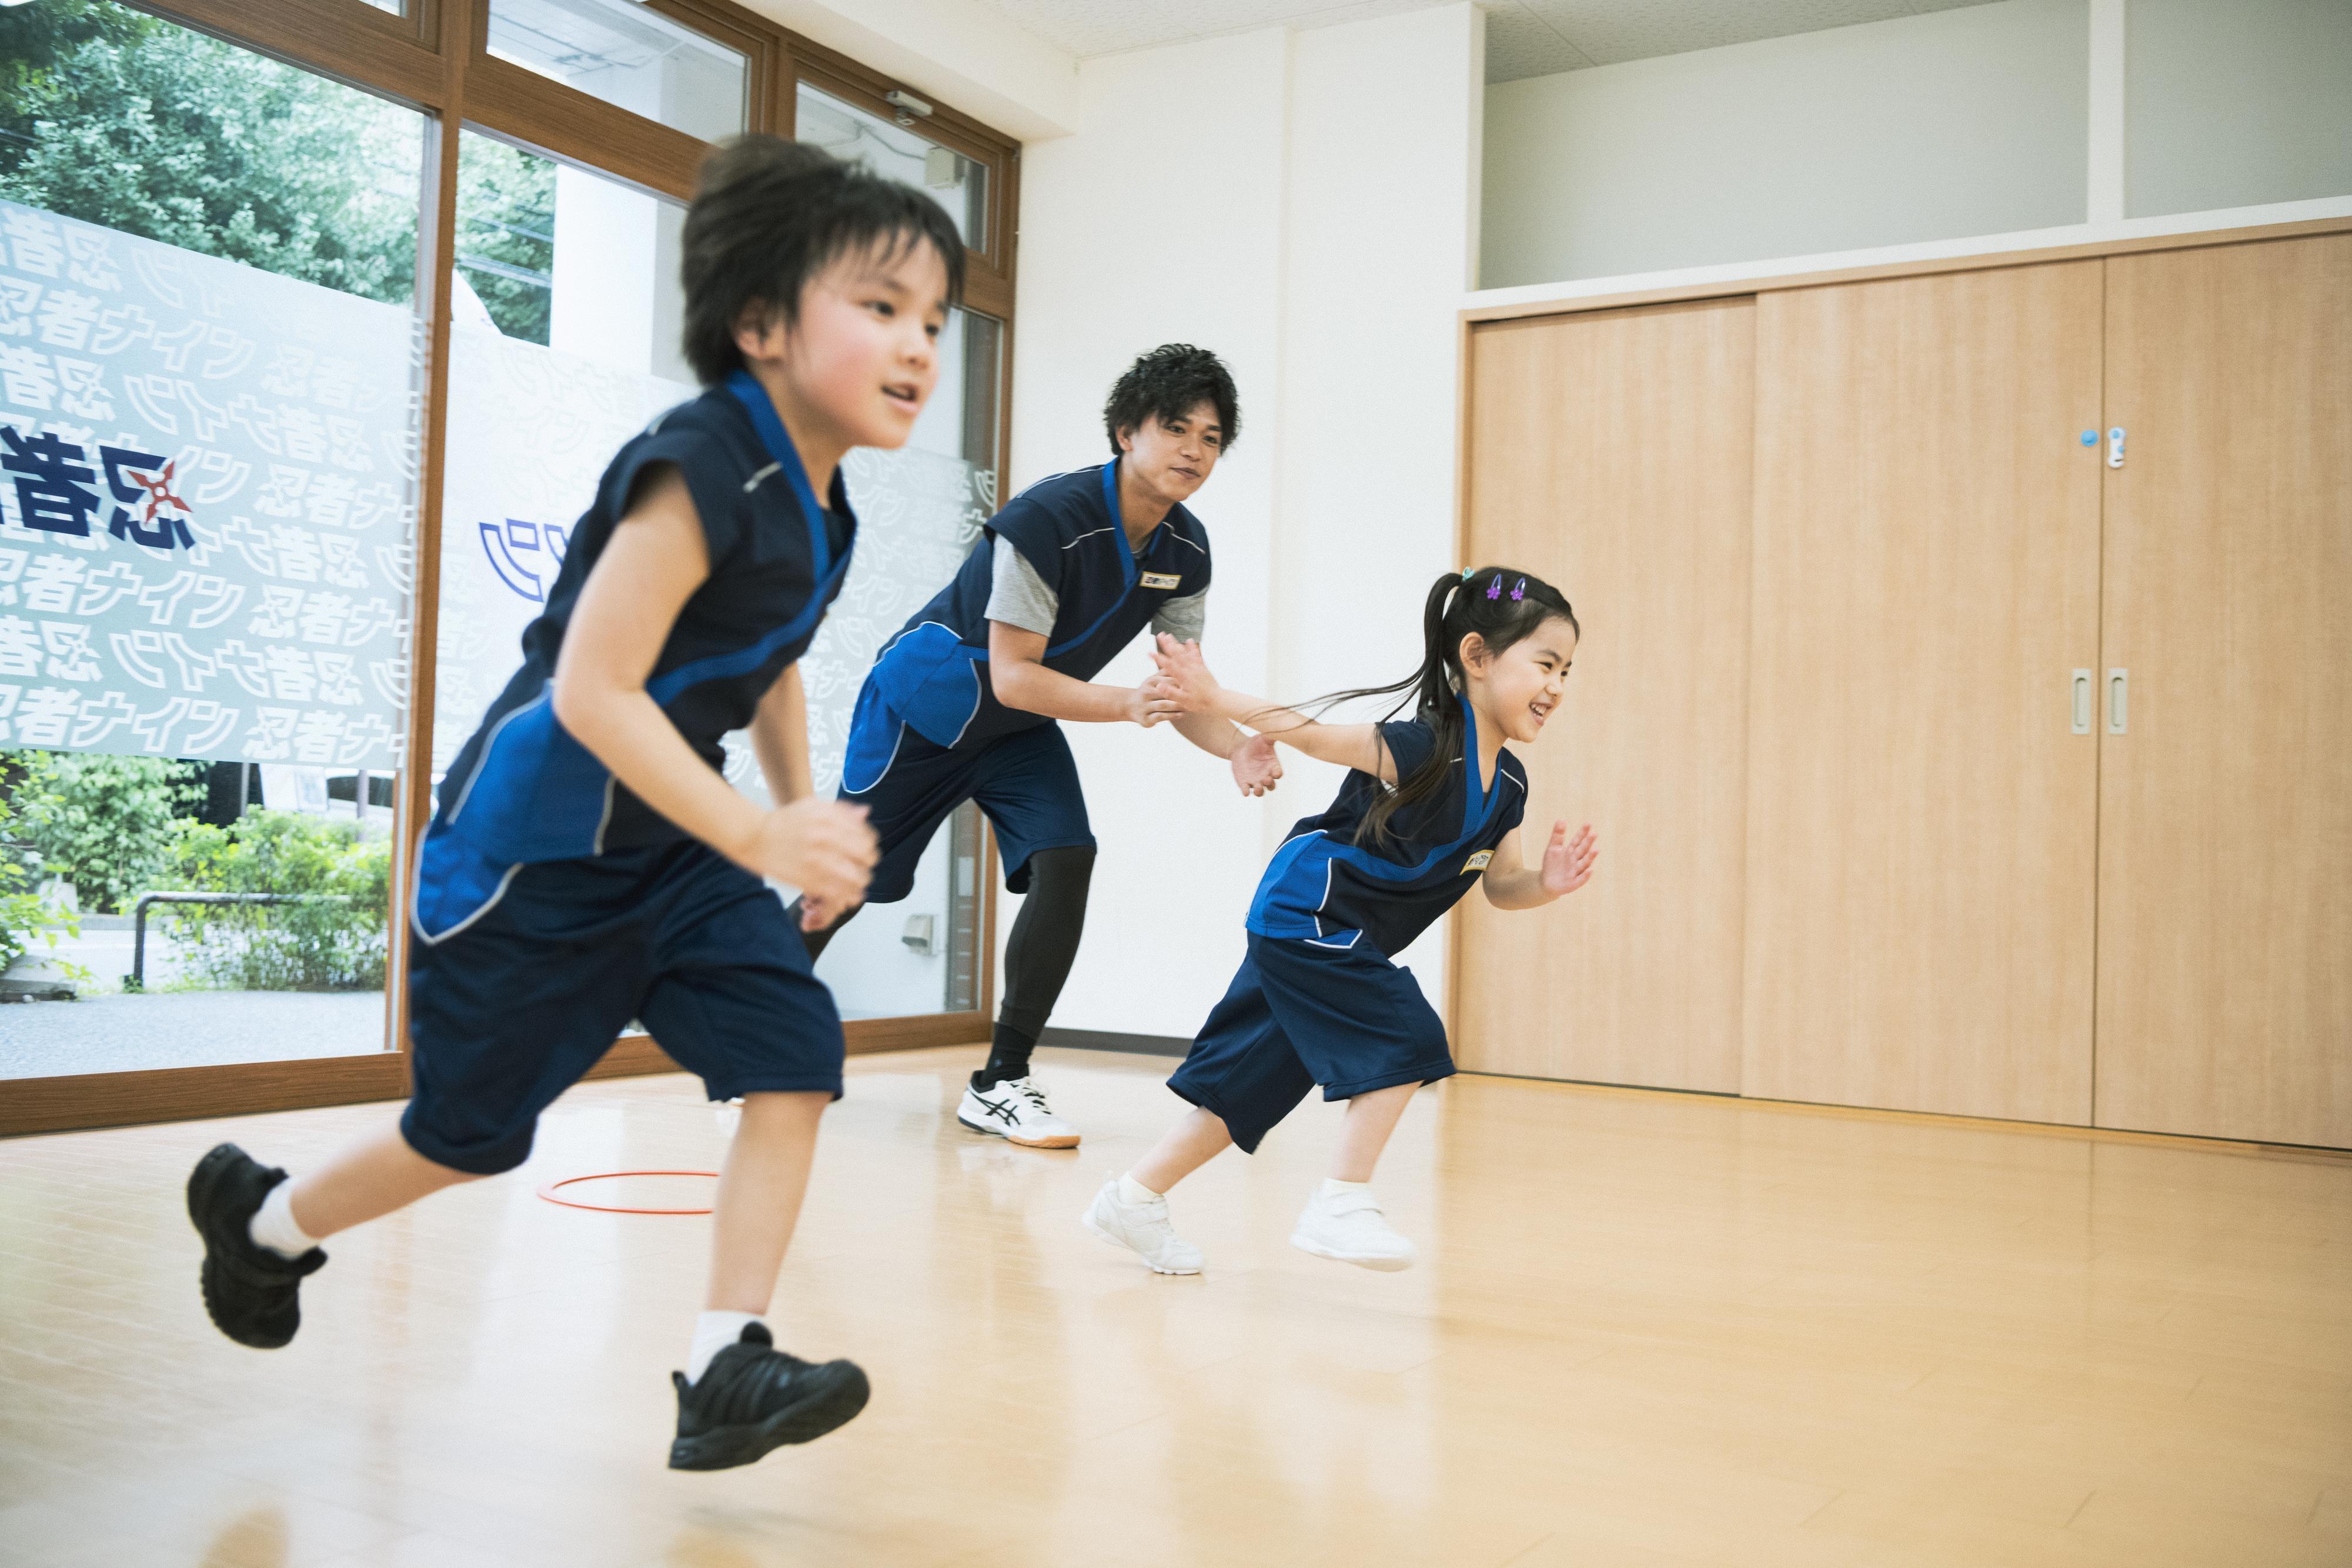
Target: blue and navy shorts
[(1026, 783), (1299, 1013), (512, 1004)]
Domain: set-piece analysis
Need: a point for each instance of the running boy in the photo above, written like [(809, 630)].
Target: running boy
[(1431, 806), (588, 863), (960, 704)]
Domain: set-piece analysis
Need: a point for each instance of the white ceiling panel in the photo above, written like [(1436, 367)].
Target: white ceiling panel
[(1524, 38), (1521, 44)]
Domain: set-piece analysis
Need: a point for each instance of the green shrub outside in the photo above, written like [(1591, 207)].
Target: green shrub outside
[(104, 823), (333, 939), (24, 918)]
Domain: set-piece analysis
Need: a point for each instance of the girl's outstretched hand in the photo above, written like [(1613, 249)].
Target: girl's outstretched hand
[(1568, 866), (1184, 676), (1256, 767)]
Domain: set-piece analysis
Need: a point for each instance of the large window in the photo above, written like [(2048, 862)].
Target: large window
[(209, 354), (276, 507)]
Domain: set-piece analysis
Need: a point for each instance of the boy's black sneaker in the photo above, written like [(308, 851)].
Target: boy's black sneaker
[(250, 1291), (753, 1397)]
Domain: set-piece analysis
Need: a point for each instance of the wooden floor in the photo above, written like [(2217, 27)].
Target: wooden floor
[(1648, 1330)]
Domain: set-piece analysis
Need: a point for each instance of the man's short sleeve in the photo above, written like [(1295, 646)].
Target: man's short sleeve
[(1017, 595), (710, 475), (1182, 619)]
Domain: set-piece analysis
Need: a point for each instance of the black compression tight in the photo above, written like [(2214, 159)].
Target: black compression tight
[(1037, 956), (1045, 939)]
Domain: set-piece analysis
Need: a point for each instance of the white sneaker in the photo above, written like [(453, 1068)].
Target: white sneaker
[(1142, 1229), (1016, 1109), (1351, 1228)]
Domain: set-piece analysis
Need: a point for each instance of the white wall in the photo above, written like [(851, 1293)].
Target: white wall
[(1384, 206), (1958, 122), (1301, 203), (2228, 106), (1160, 221)]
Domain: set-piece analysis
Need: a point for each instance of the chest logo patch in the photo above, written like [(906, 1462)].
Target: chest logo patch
[(1161, 578), (1477, 862)]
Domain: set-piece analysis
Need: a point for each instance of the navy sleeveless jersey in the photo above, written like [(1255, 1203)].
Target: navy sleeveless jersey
[(932, 676), (523, 789), (1323, 887)]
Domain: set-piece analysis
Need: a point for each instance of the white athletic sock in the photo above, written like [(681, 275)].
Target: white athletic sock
[(1133, 1191), (714, 1331), (1333, 1187), (273, 1224)]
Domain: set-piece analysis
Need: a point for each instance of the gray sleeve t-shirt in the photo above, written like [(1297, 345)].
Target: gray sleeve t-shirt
[(1019, 597)]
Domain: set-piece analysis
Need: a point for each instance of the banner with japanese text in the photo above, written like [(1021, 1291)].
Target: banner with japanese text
[(208, 479)]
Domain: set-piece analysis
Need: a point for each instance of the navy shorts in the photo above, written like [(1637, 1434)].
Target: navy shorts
[(1298, 1014), (511, 1008), (1026, 783)]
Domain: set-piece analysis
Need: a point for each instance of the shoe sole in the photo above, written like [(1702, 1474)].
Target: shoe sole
[(1088, 1219), (725, 1448), (1379, 1265), (1055, 1141)]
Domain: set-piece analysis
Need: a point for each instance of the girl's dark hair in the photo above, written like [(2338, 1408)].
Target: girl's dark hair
[(1503, 605), (768, 215), (1169, 382)]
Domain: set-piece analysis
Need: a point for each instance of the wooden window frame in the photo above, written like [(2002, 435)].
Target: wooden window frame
[(435, 58)]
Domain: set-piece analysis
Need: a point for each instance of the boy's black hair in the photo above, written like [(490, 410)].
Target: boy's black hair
[(1168, 383), (768, 215)]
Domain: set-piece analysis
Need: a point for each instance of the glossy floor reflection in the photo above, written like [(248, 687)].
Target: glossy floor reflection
[(1648, 1330)]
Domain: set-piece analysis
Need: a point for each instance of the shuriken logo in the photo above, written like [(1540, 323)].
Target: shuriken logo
[(158, 490)]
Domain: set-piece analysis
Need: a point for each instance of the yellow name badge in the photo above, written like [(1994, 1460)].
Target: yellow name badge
[(1477, 862), (1161, 578)]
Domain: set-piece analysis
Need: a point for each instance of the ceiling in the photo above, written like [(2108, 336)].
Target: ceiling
[(1524, 38)]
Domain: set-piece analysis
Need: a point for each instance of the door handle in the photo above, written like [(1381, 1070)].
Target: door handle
[(2081, 694), (2118, 701)]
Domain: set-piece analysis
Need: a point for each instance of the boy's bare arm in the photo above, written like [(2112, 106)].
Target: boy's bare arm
[(649, 568), (779, 739)]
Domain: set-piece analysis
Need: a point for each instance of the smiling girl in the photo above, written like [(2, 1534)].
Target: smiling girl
[(1431, 806)]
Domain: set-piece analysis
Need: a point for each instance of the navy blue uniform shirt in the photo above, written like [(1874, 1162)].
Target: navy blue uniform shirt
[(1322, 886), (933, 675), (523, 789)]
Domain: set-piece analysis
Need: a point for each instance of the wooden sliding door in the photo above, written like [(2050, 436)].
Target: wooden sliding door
[(1921, 851), (1609, 454), (2225, 886)]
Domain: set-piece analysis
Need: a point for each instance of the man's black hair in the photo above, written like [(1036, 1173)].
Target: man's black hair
[(768, 215), (1169, 382)]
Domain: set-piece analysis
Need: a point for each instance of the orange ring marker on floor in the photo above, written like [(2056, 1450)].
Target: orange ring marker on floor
[(548, 1192)]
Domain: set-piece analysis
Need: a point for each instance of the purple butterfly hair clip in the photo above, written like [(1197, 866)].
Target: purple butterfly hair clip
[(1495, 588), (1518, 592)]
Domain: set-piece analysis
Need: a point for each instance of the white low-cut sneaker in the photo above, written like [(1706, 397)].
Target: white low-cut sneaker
[(1142, 1229), (1015, 1108), (1351, 1228)]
